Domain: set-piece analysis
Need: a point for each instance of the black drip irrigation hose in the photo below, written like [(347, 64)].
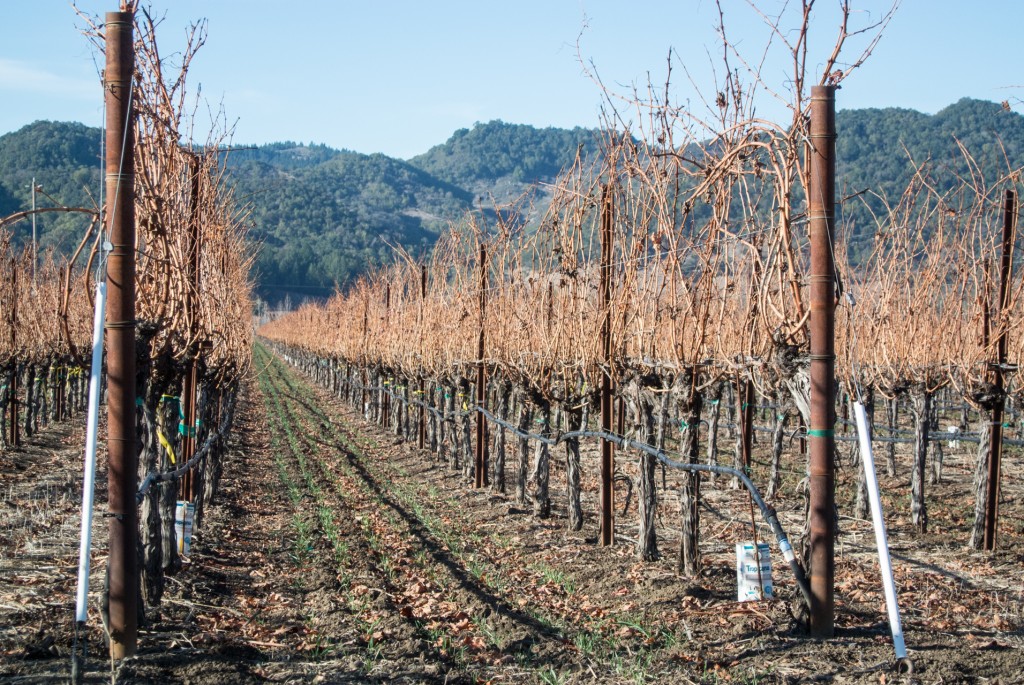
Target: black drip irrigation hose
[(155, 477), (933, 436), (767, 511)]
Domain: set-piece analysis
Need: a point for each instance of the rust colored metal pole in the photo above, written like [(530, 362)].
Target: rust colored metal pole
[(195, 263), (423, 397), (188, 393), (480, 471), (366, 373), (803, 433), (996, 436), (188, 442), (121, 447), (745, 395), (386, 398), (821, 433), (620, 423), (13, 401), (607, 494), (745, 392), (821, 283)]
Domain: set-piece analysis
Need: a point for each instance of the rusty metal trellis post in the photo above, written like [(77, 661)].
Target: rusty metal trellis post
[(385, 398), (12, 395), (423, 396), (480, 469), (189, 391), (121, 445), (363, 406), (607, 494), (996, 436), (821, 432)]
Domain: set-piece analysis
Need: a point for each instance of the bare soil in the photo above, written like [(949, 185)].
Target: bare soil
[(335, 552)]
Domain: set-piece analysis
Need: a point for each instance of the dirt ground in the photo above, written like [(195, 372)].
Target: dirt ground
[(336, 553)]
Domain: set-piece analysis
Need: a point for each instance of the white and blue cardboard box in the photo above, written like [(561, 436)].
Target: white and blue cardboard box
[(751, 585)]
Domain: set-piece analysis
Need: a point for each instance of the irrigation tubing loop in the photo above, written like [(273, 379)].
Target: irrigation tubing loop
[(155, 477), (767, 511)]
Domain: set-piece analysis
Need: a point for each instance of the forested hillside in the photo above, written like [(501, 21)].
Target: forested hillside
[(877, 149), (324, 215), (64, 159), (324, 222), (488, 153)]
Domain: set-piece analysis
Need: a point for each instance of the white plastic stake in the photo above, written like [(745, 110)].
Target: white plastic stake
[(89, 479), (881, 541)]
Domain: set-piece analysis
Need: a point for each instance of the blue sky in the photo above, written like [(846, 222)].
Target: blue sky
[(401, 76)]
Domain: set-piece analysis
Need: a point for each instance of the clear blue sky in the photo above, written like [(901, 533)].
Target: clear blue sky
[(400, 76)]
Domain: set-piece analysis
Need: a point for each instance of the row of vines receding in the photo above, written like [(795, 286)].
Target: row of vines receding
[(193, 303), (708, 294)]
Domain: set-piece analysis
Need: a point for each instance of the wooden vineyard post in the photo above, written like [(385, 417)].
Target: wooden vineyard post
[(480, 470), (121, 445), (821, 432), (996, 436), (607, 494)]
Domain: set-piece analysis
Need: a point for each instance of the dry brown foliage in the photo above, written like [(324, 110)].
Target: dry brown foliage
[(192, 273), (707, 239)]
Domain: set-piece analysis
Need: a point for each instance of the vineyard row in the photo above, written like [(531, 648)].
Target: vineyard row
[(169, 242), (523, 428)]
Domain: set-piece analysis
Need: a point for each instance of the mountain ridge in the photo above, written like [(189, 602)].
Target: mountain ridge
[(322, 215)]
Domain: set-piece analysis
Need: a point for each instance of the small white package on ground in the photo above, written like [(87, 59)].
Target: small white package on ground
[(751, 585), (184, 513), (954, 433)]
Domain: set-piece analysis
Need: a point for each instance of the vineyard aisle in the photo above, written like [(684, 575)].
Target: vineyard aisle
[(335, 553)]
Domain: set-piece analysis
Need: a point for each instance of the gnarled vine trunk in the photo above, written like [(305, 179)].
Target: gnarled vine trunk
[(542, 465), (430, 399), (503, 395), (523, 462), (716, 412), (782, 414), (892, 416), (920, 402), (860, 505), (977, 539), (573, 422), (149, 510), (690, 403), (662, 430), (642, 414), (455, 431), (466, 430), (30, 387)]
